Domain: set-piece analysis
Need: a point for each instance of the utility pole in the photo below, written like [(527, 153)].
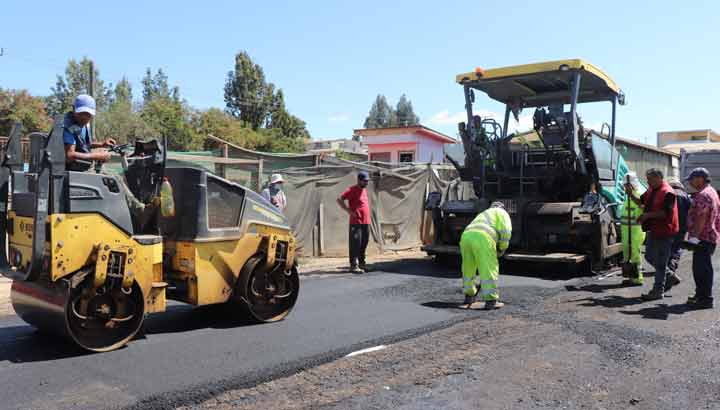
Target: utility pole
[(91, 91)]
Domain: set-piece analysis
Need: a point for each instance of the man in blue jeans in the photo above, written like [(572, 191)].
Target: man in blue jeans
[(703, 233), (660, 221)]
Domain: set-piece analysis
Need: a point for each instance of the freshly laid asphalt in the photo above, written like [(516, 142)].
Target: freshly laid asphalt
[(187, 355)]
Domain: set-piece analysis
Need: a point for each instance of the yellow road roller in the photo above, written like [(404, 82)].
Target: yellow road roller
[(88, 265)]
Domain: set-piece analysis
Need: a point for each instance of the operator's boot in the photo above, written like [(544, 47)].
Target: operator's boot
[(654, 294), (671, 281), (469, 300)]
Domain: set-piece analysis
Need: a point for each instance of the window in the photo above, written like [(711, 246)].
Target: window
[(224, 203), (380, 156), (698, 138), (406, 156)]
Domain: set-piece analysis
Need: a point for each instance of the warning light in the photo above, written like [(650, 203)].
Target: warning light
[(479, 72)]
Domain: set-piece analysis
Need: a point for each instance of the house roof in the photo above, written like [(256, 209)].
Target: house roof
[(691, 146), (706, 130), (415, 129)]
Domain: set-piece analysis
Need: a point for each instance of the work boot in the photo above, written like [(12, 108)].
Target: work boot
[(356, 270), (672, 281), (630, 283), (469, 300), (363, 267), (654, 294), (493, 304), (700, 303)]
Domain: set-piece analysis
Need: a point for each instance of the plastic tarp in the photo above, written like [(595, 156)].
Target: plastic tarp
[(397, 199)]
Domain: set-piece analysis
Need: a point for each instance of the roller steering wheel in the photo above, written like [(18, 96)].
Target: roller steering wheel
[(118, 149)]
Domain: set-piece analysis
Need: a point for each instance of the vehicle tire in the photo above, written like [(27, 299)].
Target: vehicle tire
[(268, 295)]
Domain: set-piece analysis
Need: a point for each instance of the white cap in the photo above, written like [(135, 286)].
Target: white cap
[(275, 178)]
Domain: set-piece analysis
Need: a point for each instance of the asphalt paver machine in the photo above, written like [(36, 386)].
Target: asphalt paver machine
[(87, 267), (562, 183)]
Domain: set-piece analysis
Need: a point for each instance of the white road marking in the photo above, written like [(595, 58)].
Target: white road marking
[(368, 350)]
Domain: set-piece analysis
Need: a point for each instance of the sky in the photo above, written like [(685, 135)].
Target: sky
[(332, 58)]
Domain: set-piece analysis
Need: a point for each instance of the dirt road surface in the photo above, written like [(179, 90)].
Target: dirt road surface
[(560, 343), (593, 345)]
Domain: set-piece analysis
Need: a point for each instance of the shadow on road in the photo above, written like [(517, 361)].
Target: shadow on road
[(185, 318), (611, 301), (428, 267), (23, 343), (595, 288), (660, 312), (417, 267), (444, 305)]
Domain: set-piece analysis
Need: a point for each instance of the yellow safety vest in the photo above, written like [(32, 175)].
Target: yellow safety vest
[(633, 210), (496, 223)]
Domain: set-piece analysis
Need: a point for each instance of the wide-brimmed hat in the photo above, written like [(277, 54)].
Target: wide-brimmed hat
[(699, 172), (276, 178)]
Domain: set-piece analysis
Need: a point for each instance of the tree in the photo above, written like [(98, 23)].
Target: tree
[(381, 115), (166, 113), (123, 93), (75, 81), (170, 119), (121, 120), (275, 141), (247, 95), (257, 104), (289, 125), (404, 113), (222, 125), (20, 106), (156, 86)]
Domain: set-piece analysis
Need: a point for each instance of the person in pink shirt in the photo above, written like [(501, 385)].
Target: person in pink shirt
[(703, 232), (358, 208)]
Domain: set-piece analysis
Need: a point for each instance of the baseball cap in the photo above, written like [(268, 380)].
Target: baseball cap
[(699, 172), (363, 175), (275, 178), (84, 103), (675, 183)]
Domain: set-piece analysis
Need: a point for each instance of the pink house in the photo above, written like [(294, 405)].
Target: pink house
[(405, 144)]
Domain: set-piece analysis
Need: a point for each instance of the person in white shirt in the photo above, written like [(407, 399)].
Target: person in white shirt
[(274, 193)]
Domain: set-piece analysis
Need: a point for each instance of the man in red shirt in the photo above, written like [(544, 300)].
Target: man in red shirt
[(704, 233), (359, 210)]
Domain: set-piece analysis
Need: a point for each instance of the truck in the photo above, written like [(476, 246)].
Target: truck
[(561, 183), (706, 158)]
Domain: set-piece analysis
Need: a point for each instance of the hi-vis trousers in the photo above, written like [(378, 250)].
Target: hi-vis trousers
[(479, 265)]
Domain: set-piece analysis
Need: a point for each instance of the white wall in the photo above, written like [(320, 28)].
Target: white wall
[(430, 150)]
